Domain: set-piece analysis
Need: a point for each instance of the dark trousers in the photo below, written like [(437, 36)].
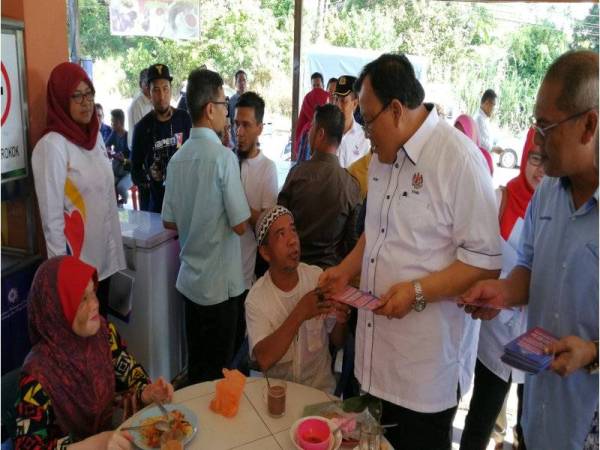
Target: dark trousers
[(241, 359), (489, 392), (144, 198), (211, 332), (102, 295), (418, 431)]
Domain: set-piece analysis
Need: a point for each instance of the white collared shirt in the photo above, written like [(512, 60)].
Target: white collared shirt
[(507, 325), (485, 134), (434, 205), (354, 145)]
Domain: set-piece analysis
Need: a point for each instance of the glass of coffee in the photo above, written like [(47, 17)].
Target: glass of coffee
[(275, 394)]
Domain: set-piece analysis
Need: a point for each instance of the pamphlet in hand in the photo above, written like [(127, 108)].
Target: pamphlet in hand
[(357, 298), (526, 352)]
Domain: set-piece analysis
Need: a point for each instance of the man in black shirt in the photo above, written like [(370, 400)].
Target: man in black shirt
[(156, 137)]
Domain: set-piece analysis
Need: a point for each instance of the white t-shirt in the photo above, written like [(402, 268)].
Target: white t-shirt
[(259, 178), (307, 360), (354, 145), (434, 205), (140, 106)]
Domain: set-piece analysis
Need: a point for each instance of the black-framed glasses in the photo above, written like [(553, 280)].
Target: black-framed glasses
[(79, 97), (224, 103), (543, 131), (367, 123), (535, 159)]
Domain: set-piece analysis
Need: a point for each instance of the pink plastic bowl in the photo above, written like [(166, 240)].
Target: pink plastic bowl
[(314, 434)]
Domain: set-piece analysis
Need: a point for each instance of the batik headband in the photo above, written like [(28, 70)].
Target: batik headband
[(266, 220)]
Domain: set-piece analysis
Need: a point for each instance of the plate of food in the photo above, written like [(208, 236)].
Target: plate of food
[(182, 421)]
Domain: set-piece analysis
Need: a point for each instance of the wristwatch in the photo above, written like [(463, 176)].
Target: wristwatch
[(592, 368), (419, 304)]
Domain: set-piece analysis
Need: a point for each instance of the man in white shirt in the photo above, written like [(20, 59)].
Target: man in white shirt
[(259, 179), (140, 105), (354, 142), (289, 322), (482, 118), (421, 248)]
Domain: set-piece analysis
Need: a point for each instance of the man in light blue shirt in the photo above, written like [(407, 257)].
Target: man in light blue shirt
[(205, 202), (557, 268)]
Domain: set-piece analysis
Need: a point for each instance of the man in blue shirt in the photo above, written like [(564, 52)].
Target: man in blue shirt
[(205, 202), (557, 268)]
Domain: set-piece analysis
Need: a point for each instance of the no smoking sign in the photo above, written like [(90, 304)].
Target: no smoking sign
[(6, 92)]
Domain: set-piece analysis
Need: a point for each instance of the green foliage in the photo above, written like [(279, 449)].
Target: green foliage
[(532, 50), (465, 46), (585, 33)]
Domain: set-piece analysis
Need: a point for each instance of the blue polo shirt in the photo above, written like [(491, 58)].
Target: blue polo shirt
[(559, 245), (205, 198)]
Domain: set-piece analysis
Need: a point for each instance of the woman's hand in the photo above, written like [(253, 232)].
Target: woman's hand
[(119, 440), (159, 391)]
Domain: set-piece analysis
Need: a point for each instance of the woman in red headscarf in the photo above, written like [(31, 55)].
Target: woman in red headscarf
[(467, 125), (316, 97), (492, 377), (73, 178), (77, 365)]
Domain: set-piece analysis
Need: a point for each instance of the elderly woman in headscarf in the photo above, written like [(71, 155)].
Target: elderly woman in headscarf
[(74, 181), (468, 127), (78, 363), (492, 377)]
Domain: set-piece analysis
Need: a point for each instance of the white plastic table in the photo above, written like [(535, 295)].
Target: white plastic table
[(252, 428)]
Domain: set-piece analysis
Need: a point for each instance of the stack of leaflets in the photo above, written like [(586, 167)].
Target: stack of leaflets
[(526, 352), (357, 298)]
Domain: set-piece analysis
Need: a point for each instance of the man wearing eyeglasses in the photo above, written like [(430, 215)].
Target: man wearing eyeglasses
[(557, 268), (422, 247), (205, 203), (155, 139), (354, 144)]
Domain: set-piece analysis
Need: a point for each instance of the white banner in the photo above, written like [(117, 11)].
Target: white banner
[(174, 19), (14, 151)]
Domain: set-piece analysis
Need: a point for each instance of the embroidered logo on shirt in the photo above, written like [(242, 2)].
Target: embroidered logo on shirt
[(417, 182)]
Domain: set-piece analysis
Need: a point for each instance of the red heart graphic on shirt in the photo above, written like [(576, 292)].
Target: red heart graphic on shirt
[(74, 232)]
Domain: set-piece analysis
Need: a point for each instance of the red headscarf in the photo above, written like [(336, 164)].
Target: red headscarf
[(77, 373), (518, 192), (62, 83), (470, 130), (314, 98)]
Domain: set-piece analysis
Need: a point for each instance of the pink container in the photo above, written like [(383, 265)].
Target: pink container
[(314, 434)]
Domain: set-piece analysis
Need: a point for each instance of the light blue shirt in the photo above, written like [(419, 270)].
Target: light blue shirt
[(205, 198), (560, 247)]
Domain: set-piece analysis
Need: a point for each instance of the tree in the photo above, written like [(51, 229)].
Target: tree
[(585, 32)]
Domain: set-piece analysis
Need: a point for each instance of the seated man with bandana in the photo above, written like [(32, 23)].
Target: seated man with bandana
[(289, 321)]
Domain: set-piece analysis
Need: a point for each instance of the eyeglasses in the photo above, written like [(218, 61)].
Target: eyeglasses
[(224, 103), (367, 123), (79, 97), (543, 131), (535, 159)]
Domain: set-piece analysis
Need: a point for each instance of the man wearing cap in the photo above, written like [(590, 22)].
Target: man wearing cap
[(322, 195), (205, 203), (354, 143), (289, 322), (140, 105), (155, 139)]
